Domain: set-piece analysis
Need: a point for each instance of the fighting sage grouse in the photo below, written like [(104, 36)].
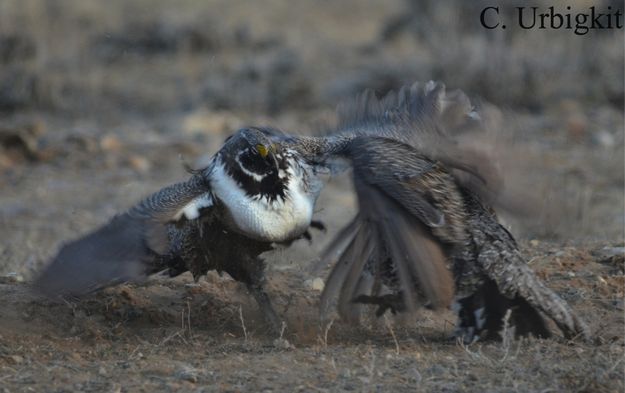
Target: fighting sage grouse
[(251, 196), (425, 232)]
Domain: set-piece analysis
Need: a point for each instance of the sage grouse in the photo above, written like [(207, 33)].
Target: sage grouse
[(425, 232), (252, 195)]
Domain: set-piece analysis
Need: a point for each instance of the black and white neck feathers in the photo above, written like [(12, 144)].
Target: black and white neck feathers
[(260, 178), (268, 192)]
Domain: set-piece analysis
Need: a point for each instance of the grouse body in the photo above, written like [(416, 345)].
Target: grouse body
[(252, 195), (426, 232)]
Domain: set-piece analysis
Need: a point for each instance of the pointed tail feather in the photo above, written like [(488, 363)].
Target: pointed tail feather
[(362, 250), (339, 272), (519, 280), (501, 260), (336, 248)]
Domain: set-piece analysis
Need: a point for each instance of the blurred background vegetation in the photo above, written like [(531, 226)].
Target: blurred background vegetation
[(105, 96), (91, 58)]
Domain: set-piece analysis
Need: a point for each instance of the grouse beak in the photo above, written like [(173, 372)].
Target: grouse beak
[(268, 152), (262, 150)]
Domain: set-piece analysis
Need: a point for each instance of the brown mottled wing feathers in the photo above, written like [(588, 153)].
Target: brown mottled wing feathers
[(396, 218)]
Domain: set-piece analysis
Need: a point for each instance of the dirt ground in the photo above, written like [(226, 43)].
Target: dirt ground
[(101, 103)]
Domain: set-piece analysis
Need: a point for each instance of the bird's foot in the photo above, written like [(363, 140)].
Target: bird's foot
[(278, 326), (319, 225)]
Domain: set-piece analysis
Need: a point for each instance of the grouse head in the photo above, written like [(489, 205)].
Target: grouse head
[(257, 164)]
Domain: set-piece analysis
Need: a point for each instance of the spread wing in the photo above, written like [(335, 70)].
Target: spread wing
[(422, 199), (411, 114), (408, 170), (122, 249), (428, 118), (408, 215)]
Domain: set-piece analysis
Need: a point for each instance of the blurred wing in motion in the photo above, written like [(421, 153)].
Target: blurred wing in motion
[(112, 254), (428, 118), (421, 115), (122, 249), (397, 240), (425, 202)]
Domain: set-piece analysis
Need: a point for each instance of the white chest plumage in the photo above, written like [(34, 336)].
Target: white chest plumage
[(278, 220)]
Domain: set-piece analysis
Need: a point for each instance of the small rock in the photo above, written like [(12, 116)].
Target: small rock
[(102, 371), (110, 143), (187, 374), (75, 356), (83, 142), (139, 163), (22, 142), (11, 278), (436, 370), (613, 256), (604, 138), (318, 284), (534, 242), (608, 252), (17, 359), (281, 343)]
